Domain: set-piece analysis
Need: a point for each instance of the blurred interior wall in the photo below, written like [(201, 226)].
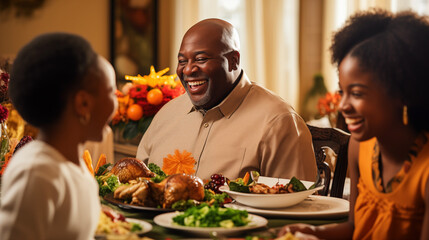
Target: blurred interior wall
[(310, 49), (89, 19)]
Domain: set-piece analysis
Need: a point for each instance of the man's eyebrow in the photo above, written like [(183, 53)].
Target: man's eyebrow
[(195, 53), (200, 52)]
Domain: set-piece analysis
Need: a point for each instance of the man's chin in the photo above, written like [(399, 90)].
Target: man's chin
[(199, 102)]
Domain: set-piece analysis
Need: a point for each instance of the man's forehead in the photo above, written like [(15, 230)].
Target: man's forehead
[(202, 33), (197, 42), (208, 25)]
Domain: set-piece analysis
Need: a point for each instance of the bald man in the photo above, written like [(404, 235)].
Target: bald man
[(230, 124)]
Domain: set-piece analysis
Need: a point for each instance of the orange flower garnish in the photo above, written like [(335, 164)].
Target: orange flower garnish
[(179, 163)]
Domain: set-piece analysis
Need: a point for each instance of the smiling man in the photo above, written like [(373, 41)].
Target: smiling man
[(229, 124)]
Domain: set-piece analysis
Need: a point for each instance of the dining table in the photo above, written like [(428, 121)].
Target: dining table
[(274, 223), (266, 232)]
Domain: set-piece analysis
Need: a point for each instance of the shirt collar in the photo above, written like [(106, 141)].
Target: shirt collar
[(228, 106)]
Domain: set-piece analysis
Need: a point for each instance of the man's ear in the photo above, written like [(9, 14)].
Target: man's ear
[(233, 60)]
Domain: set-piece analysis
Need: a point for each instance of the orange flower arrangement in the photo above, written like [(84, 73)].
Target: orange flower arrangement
[(329, 106), (142, 98), (179, 163)]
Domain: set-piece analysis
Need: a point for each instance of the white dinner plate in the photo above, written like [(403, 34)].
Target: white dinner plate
[(166, 220), (146, 227), (271, 201), (313, 207)]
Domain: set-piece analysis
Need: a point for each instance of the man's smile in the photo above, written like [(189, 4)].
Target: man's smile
[(197, 87)]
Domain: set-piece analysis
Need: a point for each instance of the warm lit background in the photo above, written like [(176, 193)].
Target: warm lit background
[(284, 43)]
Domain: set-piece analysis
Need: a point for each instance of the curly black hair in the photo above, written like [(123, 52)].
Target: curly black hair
[(394, 47), (46, 72)]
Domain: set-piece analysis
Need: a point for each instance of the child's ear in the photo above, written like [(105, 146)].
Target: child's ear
[(83, 103)]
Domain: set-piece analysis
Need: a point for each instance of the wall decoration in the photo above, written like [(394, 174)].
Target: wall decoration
[(133, 37), (23, 8)]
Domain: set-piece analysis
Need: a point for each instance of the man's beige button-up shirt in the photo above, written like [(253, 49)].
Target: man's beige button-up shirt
[(252, 129)]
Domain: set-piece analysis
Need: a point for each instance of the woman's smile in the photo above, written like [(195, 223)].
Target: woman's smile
[(354, 124)]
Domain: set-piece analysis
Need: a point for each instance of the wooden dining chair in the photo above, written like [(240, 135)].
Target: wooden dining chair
[(338, 141)]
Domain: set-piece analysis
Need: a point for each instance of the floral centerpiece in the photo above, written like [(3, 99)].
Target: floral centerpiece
[(9, 142), (4, 114), (328, 106), (141, 98)]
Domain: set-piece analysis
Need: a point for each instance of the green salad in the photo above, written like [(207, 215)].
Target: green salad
[(212, 216)]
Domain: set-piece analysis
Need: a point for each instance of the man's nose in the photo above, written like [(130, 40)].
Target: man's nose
[(190, 68)]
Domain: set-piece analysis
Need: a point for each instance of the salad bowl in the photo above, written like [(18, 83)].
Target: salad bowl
[(271, 201)]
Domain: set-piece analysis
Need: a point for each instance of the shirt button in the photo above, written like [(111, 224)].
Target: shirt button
[(206, 125)]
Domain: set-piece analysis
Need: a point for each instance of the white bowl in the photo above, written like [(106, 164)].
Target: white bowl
[(270, 201)]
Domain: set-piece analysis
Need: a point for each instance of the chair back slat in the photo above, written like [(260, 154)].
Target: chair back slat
[(338, 141)]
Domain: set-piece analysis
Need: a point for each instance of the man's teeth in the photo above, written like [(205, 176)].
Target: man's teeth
[(353, 120), (196, 83)]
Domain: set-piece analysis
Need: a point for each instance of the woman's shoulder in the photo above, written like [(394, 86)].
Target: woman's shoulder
[(36, 157)]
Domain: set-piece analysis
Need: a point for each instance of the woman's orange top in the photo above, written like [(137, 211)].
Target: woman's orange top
[(397, 214)]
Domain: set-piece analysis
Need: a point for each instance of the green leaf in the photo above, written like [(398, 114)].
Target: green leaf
[(103, 169), (119, 125), (182, 205), (298, 186), (130, 130), (156, 169), (135, 227), (144, 124), (4, 147), (158, 179), (254, 176), (107, 184), (237, 187)]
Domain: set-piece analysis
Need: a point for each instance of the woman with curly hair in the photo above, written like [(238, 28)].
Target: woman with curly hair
[(383, 65)]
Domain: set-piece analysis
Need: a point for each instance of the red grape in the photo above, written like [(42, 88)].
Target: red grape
[(216, 181)]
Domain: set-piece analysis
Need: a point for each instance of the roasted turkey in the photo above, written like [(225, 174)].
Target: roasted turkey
[(174, 188), (177, 187), (128, 169), (137, 193)]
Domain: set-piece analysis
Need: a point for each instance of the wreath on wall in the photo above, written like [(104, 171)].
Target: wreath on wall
[(23, 8)]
